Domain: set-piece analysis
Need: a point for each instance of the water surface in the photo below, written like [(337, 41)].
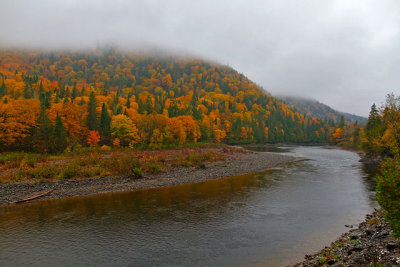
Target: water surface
[(268, 219)]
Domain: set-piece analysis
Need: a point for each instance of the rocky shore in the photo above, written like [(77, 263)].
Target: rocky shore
[(370, 158), (370, 244), (235, 164)]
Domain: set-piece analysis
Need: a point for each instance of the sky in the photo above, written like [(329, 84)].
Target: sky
[(343, 53)]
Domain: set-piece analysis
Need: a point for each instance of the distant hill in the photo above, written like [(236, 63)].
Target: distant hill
[(119, 98), (313, 108)]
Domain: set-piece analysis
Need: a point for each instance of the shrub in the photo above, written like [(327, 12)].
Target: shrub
[(154, 167), (388, 191), (45, 172), (91, 159), (136, 173), (90, 172), (124, 165), (70, 171), (131, 167), (198, 159)]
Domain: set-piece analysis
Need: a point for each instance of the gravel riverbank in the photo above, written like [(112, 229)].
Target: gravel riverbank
[(235, 164), (370, 244)]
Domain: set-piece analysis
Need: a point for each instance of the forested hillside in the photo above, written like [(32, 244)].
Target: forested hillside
[(50, 101), (313, 108)]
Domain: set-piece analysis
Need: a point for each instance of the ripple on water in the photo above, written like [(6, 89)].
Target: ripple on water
[(273, 218)]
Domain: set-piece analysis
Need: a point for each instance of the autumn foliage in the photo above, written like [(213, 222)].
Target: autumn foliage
[(381, 139), (139, 100), (93, 138)]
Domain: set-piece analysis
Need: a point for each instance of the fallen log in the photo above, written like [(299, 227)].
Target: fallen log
[(34, 197)]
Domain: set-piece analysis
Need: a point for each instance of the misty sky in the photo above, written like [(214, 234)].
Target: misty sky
[(342, 53)]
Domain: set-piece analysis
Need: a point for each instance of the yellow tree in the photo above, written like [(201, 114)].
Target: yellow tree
[(156, 138), (17, 120), (219, 135), (123, 129), (338, 135)]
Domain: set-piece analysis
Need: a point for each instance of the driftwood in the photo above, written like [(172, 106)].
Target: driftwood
[(34, 197)]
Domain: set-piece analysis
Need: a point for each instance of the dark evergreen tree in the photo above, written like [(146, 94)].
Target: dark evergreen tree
[(104, 128), (29, 81), (44, 97), (140, 106), (28, 92), (92, 113), (128, 102), (43, 136), (374, 125), (342, 123), (116, 98), (106, 89), (62, 91), (148, 107), (118, 110), (74, 92), (67, 93), (58, 141), (82, 91), (3, 89)]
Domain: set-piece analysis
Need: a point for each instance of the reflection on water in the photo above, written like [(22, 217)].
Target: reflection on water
[(271, 218), (369, 171), (267, 148)]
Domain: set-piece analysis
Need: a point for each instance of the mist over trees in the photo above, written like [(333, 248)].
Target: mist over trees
[(138, 99)]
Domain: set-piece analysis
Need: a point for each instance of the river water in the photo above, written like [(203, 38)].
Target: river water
[(267, 219)]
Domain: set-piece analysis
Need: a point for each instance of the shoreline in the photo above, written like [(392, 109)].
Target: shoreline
[(369, 244), (235, 164)]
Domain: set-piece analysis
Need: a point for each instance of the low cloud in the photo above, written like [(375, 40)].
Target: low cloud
[(343, 53)]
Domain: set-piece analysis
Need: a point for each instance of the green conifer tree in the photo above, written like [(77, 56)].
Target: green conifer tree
[(74, 92), (92, 113), (59, 141), (105, 121), (128, 101), (3, 90)]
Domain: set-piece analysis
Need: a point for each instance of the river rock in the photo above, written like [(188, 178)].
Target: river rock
[(371, 244)]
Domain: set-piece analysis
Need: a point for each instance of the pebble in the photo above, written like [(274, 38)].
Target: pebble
[(235, 164), (371, 244)]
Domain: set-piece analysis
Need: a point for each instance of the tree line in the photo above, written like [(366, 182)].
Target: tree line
[(382, 139), (52, 101)]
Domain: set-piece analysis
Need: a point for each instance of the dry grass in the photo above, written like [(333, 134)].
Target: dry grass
[(94, 163)]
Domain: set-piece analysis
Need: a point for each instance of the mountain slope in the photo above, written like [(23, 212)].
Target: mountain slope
[(313, 108), (137, 99)]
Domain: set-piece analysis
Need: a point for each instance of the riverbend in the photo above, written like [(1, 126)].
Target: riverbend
[(272, 218)]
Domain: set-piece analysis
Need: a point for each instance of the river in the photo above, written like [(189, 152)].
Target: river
[(271, 218)]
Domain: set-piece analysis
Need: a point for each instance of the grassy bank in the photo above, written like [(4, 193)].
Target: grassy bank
[(17, 166), (96, 172)]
